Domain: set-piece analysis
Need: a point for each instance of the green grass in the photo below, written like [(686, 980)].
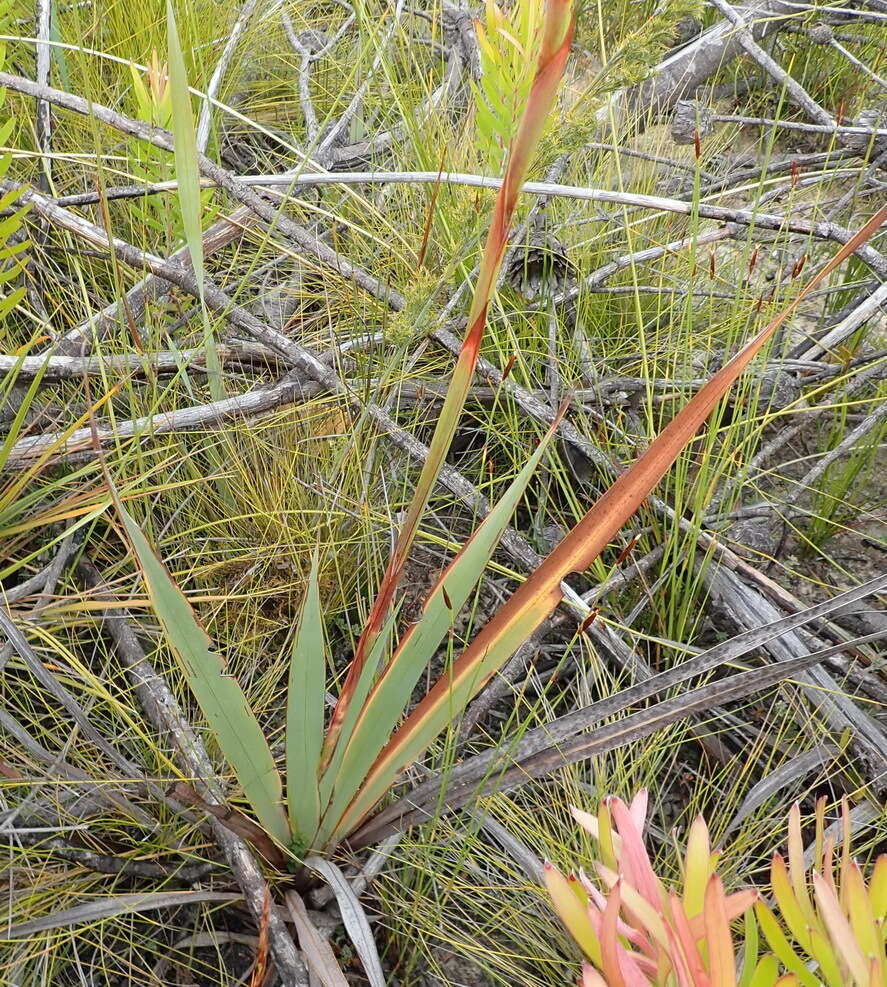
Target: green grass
[(236, 513)]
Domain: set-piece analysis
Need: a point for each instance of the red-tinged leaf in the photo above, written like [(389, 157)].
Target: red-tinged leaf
[(598, 902), (610, 944), (738, 903), (637, 809), (638, 911), (618, 970), (684, 953), (828, 866), (591, 978), (820, 830), (721, 959), (629, 966), (840, 933), (557, 28), (537, 597), (260, 970)]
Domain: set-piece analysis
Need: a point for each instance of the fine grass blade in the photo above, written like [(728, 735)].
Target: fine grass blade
[(224, 705), (304, 716), (188, 178), (185, 147), (381, 712), (553, 53), (536, 598)]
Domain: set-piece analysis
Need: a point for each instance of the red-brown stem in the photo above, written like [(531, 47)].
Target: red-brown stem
[(555, 49), (426, 233)]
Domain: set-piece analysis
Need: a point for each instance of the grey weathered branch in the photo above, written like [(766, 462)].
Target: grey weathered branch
[(55, 367), (532, 756), (64, 444), (205, 119), (679, 75)]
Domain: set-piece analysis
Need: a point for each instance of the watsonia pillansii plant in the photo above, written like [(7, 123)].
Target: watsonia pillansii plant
[(338, 772), (827, 929), (328, 769)]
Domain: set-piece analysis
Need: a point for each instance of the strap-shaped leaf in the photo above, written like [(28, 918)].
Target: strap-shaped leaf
[(224, 705), (304, 715), (353, 918), (110, 906), (334, 777), (386, 704)]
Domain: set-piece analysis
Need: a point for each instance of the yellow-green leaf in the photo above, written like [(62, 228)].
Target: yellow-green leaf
[(185, 147), (697, 867), (572, 913)]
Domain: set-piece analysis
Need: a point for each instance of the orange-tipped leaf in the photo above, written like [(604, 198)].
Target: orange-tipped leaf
[(537, 597)]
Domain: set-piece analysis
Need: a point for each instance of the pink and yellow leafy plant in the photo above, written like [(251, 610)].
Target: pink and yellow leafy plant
[(830, 926), (635, 932)]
